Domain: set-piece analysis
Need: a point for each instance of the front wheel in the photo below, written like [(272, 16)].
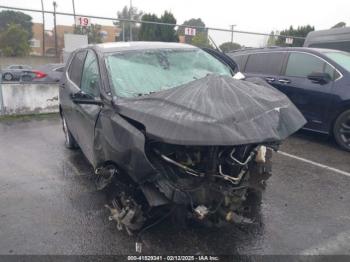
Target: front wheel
[(8, 76), (341, 130), (69, 139)]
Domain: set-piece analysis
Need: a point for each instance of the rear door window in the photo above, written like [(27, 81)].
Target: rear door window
[(265, 63), (302, 65), (76, 67)]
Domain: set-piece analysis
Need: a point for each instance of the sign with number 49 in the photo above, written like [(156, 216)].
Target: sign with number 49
[(82, 21)]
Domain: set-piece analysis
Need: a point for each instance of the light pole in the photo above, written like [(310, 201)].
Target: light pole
[(75, 25), (54, 22), (42, 8), (130, 16), (232, 27)]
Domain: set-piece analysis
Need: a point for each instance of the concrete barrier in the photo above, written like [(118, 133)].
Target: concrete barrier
[(28, 98)]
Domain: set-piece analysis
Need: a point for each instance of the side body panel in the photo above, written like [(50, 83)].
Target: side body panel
[(119, 142)]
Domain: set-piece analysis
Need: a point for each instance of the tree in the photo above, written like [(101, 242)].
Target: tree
[(300, 31), (193, 22), (157, 32), (128, 13), (339, 25), (201, 40), (149, 32), (14, 41), (8, 17), (168, 33), (93, 32), (229, 46), (272, 39)]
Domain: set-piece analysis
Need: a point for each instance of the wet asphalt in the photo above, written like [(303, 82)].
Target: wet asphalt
[(49, 204)]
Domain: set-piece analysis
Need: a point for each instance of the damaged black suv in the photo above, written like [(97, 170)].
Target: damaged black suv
[(168, 129)]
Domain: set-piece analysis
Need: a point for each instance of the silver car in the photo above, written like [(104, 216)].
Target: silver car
[(14, 72)]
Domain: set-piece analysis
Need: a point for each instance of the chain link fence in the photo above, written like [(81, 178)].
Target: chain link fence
[(52, 38)]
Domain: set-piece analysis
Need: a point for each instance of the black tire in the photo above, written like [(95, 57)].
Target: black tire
[(69, 139), (341, 130), (8, 77)]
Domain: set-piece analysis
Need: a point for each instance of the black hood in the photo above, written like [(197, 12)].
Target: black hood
[(215, 110)]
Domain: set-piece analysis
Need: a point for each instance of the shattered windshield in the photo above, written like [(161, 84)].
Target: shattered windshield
[(137, 73)]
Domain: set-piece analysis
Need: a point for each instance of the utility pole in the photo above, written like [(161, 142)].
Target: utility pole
[(130, 16), (232, 28), (54, 22), (123, 31), (75, 25), (42, 8)]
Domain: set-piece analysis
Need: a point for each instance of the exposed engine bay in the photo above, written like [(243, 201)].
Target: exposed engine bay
[(209, 184), (213, 180)]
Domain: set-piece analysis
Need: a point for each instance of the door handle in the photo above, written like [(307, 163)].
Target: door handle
[(269, 79), (284, 81)]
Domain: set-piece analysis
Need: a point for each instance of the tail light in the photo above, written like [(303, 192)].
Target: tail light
[(39, 74)]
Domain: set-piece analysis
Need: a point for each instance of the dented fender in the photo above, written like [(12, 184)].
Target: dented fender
[(119, 142)]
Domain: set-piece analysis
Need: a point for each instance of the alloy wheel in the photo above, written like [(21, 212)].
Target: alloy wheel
[(344, 130)]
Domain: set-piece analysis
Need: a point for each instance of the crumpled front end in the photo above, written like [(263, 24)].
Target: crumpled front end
[(211, 182)]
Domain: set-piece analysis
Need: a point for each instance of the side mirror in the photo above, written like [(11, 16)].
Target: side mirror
[(320, 78), (85, 99)]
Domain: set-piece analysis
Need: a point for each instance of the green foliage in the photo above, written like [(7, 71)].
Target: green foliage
[(156, 32), (168, 33), (128, 13), (14, 41), (93, 32), (8, 17), (201, 40), (272, 39), (149, 32), (229, 46), (300, 31), (339, 25)]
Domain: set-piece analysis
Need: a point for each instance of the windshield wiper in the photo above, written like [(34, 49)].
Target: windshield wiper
[(145, 94)]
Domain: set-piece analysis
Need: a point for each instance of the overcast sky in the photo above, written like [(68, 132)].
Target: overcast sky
[(248, 15)]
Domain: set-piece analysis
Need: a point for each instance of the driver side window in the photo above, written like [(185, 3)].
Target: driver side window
[(90, 81)]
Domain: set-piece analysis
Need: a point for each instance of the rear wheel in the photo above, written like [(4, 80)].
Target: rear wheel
[(69, 139), (341, 130)]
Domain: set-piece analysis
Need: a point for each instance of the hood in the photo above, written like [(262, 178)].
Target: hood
[(215, 110)]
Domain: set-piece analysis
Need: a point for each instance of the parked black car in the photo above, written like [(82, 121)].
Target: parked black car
[(316, 80), (169, 131)]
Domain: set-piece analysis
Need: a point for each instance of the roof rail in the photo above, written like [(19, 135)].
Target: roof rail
[(254, 48)]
